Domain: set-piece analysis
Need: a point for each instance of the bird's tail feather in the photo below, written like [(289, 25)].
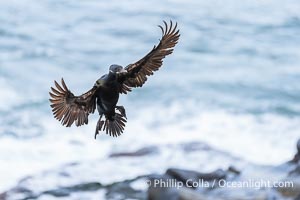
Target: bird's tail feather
[(113, 128)]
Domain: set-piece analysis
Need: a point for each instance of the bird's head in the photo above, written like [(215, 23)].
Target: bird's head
[(116, 69)]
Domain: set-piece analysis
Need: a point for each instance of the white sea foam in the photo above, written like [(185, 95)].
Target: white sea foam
[(256, 139)]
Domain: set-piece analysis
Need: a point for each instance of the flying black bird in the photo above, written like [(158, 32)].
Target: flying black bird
[(68, 108)]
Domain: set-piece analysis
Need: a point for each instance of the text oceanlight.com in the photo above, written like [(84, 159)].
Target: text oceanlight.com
[(222, 183)]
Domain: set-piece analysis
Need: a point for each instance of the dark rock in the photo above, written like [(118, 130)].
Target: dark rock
[(296, 158), (243, 194), (117, 190), (124, 190), (141, 152), (298, 146), (234, 170), (72, 164), (185, 175), (92, 186), (57, 192), (157, 192), (293, 177), (295, 172), (289, 190), (188, 194), (22, 190), (26, 178), (3, 196), (19, 191), (195, 146), (64, 174)]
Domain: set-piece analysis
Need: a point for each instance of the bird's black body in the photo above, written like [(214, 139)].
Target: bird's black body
[(105, 93), (108, 92)]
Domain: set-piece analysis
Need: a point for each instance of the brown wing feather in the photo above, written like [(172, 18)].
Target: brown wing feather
[(68, 108), (137, 73)]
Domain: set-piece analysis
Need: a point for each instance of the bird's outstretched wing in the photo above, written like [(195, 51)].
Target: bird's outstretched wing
[(68, 108), (136, 73)]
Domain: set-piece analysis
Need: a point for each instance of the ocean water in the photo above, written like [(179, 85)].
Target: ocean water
[(232, 81)]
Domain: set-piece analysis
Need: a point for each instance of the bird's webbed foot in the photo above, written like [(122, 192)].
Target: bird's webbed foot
[(122, 110), (112, 125), (99, 126)]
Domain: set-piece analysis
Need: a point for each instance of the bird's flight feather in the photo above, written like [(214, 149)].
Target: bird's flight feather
[(68, 108), (137, 72)]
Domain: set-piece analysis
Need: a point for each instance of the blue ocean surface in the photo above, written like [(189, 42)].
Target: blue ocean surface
[(232, 81)]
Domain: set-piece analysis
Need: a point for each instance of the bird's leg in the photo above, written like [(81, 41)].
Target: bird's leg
[(122, 110), (99, 126)]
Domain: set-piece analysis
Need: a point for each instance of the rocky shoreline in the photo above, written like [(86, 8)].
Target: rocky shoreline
[(246, 181)]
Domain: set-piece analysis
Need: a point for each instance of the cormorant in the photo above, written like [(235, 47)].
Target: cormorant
[(68, 108)]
